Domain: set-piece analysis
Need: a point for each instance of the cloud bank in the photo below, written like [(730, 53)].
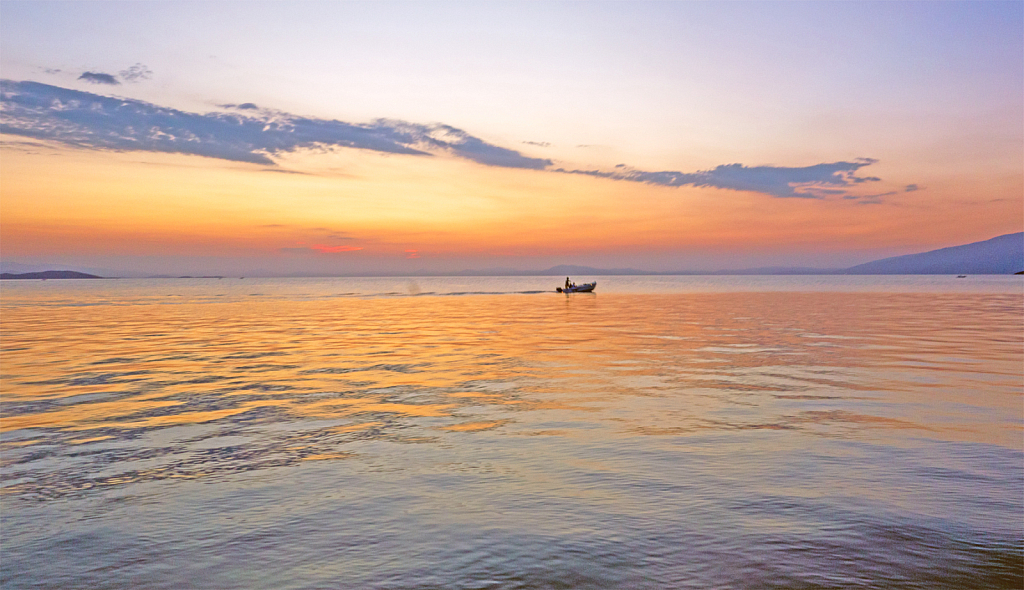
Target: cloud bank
[(84, 119), (248, 133), (809, 182)]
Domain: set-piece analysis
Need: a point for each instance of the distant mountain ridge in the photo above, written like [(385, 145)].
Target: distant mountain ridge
[(1000, 255), (11, 267), (575, 270), (562, 269), (48, 274)]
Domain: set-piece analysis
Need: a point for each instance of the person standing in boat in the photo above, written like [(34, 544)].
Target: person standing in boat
[(566, 282)]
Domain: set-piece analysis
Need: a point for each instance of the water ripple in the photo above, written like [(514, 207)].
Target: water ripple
[(302, 438)]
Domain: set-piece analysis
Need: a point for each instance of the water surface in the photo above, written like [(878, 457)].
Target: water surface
[(664, 432)]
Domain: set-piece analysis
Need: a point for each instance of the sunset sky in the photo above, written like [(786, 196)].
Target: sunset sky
[(365, 137)]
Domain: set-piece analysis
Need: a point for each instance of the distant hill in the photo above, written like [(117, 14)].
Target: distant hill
[(569, 269), (563, 270), (489, 272), (11, 267), (777, 270), (1000, 255), (48, 274)]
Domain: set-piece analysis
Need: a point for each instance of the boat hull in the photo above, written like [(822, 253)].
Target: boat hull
[(584, 288)]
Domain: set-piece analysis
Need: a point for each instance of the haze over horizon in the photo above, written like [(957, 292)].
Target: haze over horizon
[(320, 138)]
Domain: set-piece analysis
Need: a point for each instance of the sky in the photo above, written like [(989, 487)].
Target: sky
[(428, 137)]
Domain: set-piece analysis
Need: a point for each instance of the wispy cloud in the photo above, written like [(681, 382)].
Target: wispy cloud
[(245, 106), (283, 171), (136, 73), (334, 249), (90, 120), (320, 248), (322, 233), (808, 182), (870, 199), (99, 78), (459, 143), (26, 146)]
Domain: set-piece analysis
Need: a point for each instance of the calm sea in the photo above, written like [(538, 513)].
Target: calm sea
[(663, 432)]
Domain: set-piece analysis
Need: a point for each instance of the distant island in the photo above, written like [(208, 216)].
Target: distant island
[(48, 274)]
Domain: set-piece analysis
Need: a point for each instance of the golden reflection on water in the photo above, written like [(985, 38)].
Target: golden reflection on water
[(475, 426), (860, 365)]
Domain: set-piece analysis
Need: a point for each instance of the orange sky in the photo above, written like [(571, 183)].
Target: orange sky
[(90, 203), (934, 105)]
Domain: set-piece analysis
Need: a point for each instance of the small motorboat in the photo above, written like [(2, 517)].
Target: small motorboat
[(584, 288)]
